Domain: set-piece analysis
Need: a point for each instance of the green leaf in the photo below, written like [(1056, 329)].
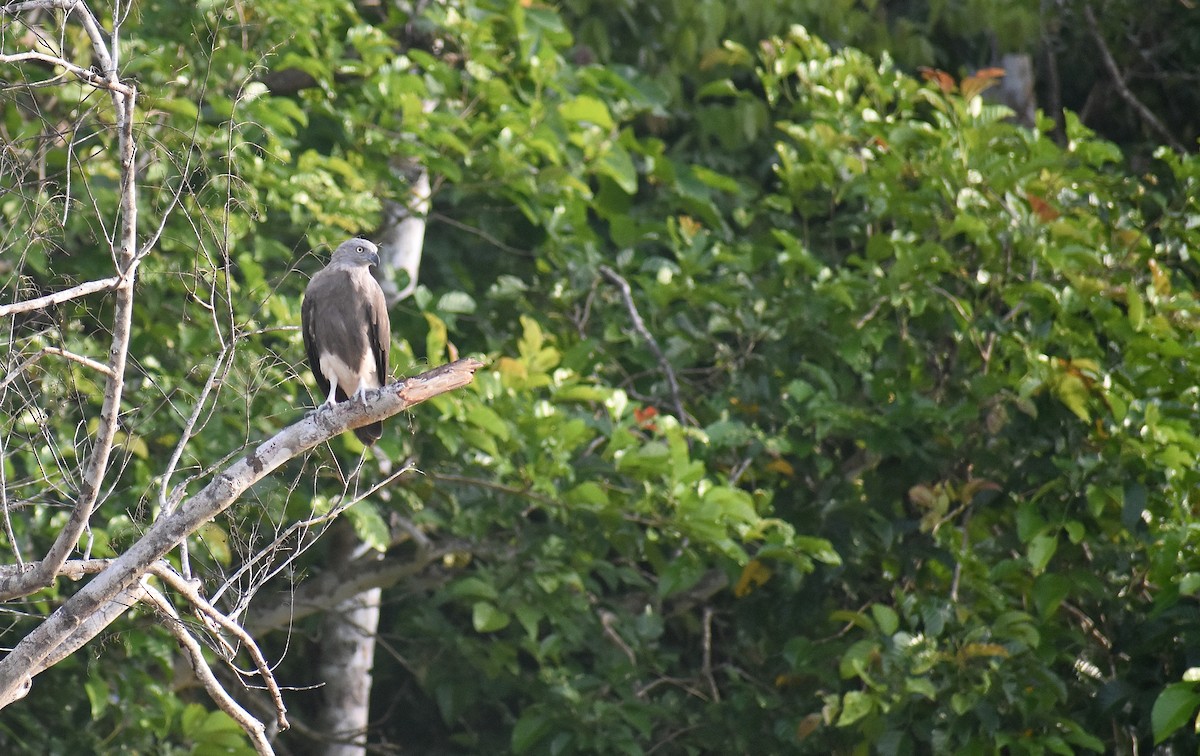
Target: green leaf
[(819, 549), (1072, 391), (369, 526), (487, 618), (618, 166), (458, 302), (530, 730), (97, 693), (589, 494), (586, 108), (1136, 307), (472, 587), (885, 618), (1189, 583), (1049, 591), (487, 419), (855, 706), (1174, 707), (435, 340), (1041, 549)]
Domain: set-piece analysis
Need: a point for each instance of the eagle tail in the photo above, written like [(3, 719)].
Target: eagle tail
[(369, 434)]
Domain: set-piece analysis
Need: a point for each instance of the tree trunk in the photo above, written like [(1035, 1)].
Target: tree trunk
[(347, 656), (348, 632)]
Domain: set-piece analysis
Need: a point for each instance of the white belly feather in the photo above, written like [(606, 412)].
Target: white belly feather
[(347, 377)]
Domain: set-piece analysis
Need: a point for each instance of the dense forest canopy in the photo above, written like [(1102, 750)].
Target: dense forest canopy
[(826, 409)]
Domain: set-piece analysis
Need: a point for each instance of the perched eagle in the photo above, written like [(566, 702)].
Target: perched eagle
[(347, 333)]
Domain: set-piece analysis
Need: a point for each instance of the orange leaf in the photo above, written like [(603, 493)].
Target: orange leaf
[(689, 225), (808, 726), (944, 80), (972, 86), (754, 574), (1041, 208), (644, 417), (1162, 281), (782, 467)]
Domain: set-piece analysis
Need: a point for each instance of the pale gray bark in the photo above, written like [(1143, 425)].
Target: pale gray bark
[(1016, 88), (347, 656), (75, 621), (401, 239), (124, 250), (349, 628)]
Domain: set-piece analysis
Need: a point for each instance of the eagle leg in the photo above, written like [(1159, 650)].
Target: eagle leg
[(332, 399), (361, 393)]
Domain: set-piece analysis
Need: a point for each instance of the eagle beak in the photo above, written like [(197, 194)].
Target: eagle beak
[(373, 258)]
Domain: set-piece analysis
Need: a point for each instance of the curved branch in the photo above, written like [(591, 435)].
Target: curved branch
[(253, 728), (30, 656), (1118, 79), (639, 325), (58, 297), (124, 100)]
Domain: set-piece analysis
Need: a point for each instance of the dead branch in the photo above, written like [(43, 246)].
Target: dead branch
[(83, 74), (300, 527), (85, 361), (216, 621), (706, 662), (31, 655), (58, 297), (124, 99), (1118, 79), (254, 729)]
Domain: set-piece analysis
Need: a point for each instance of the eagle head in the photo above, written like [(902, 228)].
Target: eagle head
[(355, 252)]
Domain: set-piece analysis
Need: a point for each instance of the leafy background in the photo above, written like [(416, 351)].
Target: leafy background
[(930, 488)]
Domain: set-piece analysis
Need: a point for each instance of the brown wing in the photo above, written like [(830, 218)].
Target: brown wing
[(380, 331), (379, 335), (308, 327)]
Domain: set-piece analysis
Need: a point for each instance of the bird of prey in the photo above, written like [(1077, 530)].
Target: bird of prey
[(347, 333)]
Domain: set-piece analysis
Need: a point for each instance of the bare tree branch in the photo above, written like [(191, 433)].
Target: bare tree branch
[(124, 100), (30, 656), (295, 529), (58, 297), (83, 74), (639, 325), (255, 729), (1118, 79), (16, 372), (217, 622)]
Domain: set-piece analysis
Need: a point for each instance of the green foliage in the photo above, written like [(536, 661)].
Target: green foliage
[(930, 491)]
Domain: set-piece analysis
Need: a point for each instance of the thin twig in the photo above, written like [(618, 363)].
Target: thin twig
[(706, 665), (639, 325), (58, 297), (8, 528), (1118, 79), (298, 526), (219, 370), (86, 361), (207, 611), (255, 729), (608, 621), (480, 233), (91, 77)]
